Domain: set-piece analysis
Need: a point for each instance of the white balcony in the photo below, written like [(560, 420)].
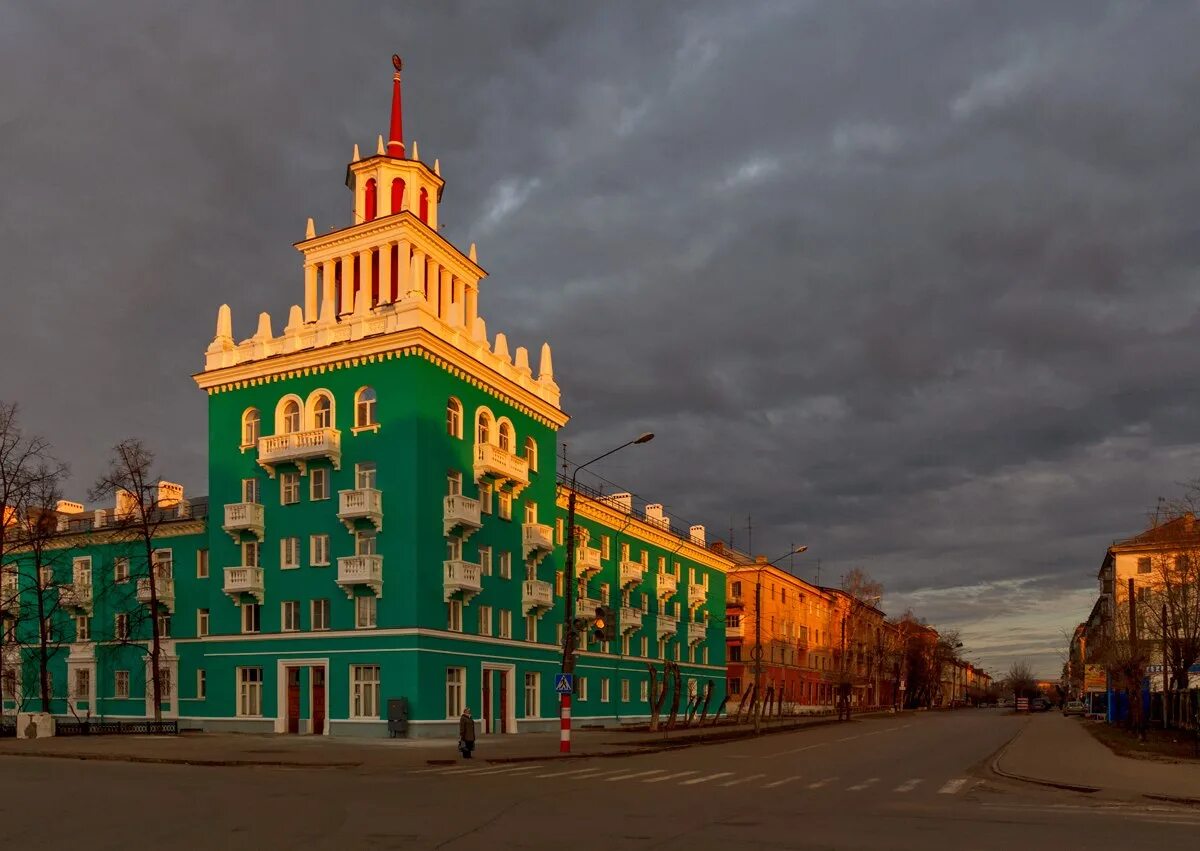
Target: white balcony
[(361, 504), (299, 448), (665, 584), (631, 574), (737, 631), (501, 465), (164, 590), (666, 626), (360, 570), (696, 633), (244, 580), (462, 513), (243, 517), (585, 607), (697, 594), (587, 561), (76, 596), (631, 619), (461, 576), (539, 540), (536, 596)]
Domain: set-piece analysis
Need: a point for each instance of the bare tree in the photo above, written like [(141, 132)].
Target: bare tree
[(657, 695), (1020, 680), (861, 595)]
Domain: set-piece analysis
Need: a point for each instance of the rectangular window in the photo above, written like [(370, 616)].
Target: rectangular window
[(364, 691), (485, 620), (582, 685), (81, 570), (365, 475), (485, 497), (531, 627), (289, 616), (83, 628), (532, 695), (735, 685), (505, 623), (453, 483), (251, 617), (251, 554), (735, 653), (454, 610), (202, 564), (1143, 564), (164, 626), (250, 490), (505, 505), (1143, 594), (201, 684), (456, 681), (120, 570), (531, 512), (644, 691), (559, 528), (604, 689), (604, 545), (485, 561), (289, 552), (121, 684), (320, 614), (121, 627), (201, 622), (318, 483), (506, 565), (289, 488), (364, 612), (559, 584), (365, 542), (318, 550), (624, 691), (645, 647), (604, 593), (250, 683)]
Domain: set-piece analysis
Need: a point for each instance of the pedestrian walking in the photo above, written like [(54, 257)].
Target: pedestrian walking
[(466, 733)]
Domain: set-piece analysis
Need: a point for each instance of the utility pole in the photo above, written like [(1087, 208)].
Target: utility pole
[(1166, 667)]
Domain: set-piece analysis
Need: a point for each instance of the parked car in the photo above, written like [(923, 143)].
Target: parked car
[(1039, 704), (1006, 702), (1074, 707)]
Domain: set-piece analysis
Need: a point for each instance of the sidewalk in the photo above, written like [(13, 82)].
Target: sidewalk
[(233, 749), (1055, 750)]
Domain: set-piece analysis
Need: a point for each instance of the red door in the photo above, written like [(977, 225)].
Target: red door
[(487, 701), (293, 700), (502, 709), (318, 701)]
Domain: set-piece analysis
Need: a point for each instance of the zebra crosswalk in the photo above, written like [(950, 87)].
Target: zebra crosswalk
[(675, 776)]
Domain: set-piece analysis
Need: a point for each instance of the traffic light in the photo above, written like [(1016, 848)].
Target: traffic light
[(605, 625)]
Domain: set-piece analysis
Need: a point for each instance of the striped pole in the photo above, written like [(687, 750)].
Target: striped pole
[(564, 743)]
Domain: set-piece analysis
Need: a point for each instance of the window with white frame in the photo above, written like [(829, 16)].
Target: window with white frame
[(364, 612), (531, 628), (456, 682), (164, 625), (454, 611), (604, 592), (289, 488), (201, 622), (605, 543), (604, 689), (202, 564), (366, 475), (121, 685), (624, 691), (289, 552), (201, 684), (624, 552), (323, 412), (251, 617), (82, 686), (83, 628), (560, 584), (531, 454), (485, 561), (483, 427), (318, 484), (485, 497), (251, 426), (318, 550), (506, 565), (506, 500), (364, 691), (453, 548), (320, 614), (644, 691), (454, 411), (559, 531), (11, 686), (582, 688), (533, 695), (625, 640), (251, 554), (250, 491), (485, 620), (290, 417), (250, 684), (453, 483), (505, 623), (81, 570), (120, 570), (504, 436), (364, 408), (645, 647), (289, 616), (121, 626)]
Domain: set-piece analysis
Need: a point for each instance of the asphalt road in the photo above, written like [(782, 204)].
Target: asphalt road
[(915, 781)]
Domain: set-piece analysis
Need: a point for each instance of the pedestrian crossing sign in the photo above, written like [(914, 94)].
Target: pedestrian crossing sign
[(563, 684)]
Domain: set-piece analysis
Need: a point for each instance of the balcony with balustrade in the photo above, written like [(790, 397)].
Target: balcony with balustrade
[(696, 595), (77, 595), (244, 517), (665, 585), (461, 577), (501, 466), (300, 447), (460, 514), (244, 579), (361, 570), (666, 626), (361, 504), (164, 590), (696, 633), (538, 539), (631, 620), (585, 607), (537, 597), (631, 574), (737, 630), (587, 562)]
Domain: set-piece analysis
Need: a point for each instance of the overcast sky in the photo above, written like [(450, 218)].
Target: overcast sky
[(912, 283)]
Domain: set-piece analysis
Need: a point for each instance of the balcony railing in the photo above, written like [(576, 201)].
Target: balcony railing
[(697, 594), (631, 619), (585, 607), (665, 584), (536, 596), (539, 540), (244, 580), (243, 517), (666, 626), (360, 570), (587, 561), (462, 513), (631, 574), (78, 595), (735, 631), (502, 465), (164, 590), (461, 576), (299, 448), (361, 504), (696, 633)]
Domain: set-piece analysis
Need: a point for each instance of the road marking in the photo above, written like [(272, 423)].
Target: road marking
[(797, 750), (601, 774), (441, 769), (781, 782), (742, 780), (696, 780), (821, 783), (479, 772), (635, 774), (848, 739), (668, 777), (952, 786), (870, 781), (566, 773), (908, 785)]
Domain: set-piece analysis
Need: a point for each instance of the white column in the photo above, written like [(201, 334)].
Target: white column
[(364, 275), (328, 293), (385, 273), (417, 281), (404, 269), (445, 282), (347, 305), (472, 305), (431, 279), (310, 292)]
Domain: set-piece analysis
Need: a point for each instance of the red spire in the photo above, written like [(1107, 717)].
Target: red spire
[(395, 145)]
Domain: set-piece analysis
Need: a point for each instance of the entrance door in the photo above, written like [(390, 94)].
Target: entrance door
[(293, 700), (502, 709), (318, 700), (487, 701)]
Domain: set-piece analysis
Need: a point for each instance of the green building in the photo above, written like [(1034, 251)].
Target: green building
[(384, 521)]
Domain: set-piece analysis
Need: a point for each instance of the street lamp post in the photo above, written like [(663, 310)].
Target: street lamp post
[(758, 653), (569, 634)]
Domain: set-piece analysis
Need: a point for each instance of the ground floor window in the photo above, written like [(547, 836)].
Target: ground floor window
[(364, 684), (604, 689), (582, 688), (83, 684), (532, 695), (250, 682), (10, 685), (644, 691), (201, 684), (456, 679), (735, 685), (121, 684), (624, 691)]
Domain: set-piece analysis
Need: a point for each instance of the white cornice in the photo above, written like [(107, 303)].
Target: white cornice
[(402, 225)]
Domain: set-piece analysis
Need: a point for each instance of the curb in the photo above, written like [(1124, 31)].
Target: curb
[(1173, 799), (156, 760), (997, 770)]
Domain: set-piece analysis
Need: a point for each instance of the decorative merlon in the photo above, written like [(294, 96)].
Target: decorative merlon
[(379, 151), (356, 156), (310, 231)]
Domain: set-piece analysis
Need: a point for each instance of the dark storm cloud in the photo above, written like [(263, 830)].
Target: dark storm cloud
[(912, 283)]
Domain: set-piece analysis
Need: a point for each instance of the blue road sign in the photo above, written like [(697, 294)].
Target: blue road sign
[(563, 683)]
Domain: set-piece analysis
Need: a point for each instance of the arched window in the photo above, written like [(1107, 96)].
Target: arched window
[(454, 417), (323, 412), (397, 195), (370, 203), (531, 453), (364, 408), (251, 426), (425, 205), (505, 431), (290, 418), (483, 428)]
